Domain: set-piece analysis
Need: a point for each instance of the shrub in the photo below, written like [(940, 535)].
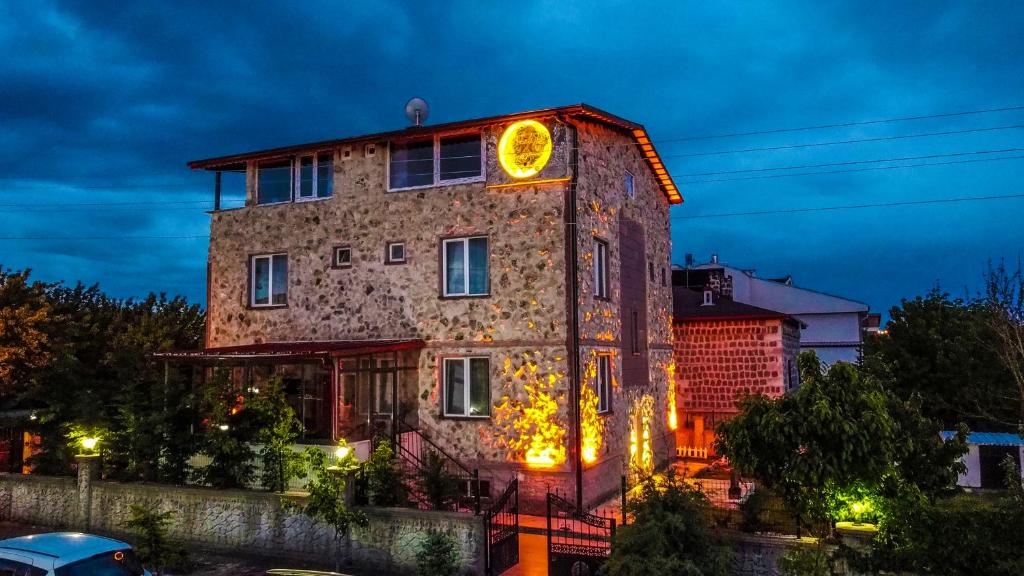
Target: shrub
[(326, 501), (670, 534), (805, 561), (384, 478), (440, 487), (277, 429), (437, 555), (154, 546)]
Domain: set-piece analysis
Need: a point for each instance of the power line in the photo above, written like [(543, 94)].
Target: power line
[(836, 142), (854, 162), (843, 124), (849, 207), (188, 237), (868, 169)]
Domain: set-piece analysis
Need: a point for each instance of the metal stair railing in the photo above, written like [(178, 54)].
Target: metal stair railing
[(412, 446)]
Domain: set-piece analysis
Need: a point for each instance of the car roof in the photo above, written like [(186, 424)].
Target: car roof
[(63, 547)]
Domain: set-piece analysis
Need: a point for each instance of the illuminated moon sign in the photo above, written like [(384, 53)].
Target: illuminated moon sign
[(524, 148)]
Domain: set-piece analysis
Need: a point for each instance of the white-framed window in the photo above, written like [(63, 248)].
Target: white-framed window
[(395, 252), (603, 384), (435, 161), (628, 183), (342, 257), (269, 280), (298, 179), (464, 266), (467, 388), (709, 298), (600, 268)]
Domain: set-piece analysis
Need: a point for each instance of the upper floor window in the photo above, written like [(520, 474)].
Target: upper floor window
[(301, 178), (467, 388), (628, 183), (600, 268), (604, 383), (395, 252), (269, 280), (464, 268), (435, 161)]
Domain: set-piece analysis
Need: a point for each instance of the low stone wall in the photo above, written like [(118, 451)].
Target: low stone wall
[(255, 523)]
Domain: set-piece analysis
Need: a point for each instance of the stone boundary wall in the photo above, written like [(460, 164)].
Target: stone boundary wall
[(238, 521)]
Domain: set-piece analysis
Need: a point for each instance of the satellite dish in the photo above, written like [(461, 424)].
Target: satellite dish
[(416, 110)]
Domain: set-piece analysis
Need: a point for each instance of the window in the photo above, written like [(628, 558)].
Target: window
[(342, 257), (663, 276), (650, 270), (467, 387), (460, 157), (628, 182), (709, 298), (302, 178), (274, 182), (634, 332), (604, 383), (600, 268), (395, 252), (432, 162), (464, 270), (412, 164), (270, 280)]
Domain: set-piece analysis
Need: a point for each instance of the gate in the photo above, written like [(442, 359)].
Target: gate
[(578, 542), (501, 525)]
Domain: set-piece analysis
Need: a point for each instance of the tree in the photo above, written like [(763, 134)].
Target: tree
[(437, 555), (839, 436), (670, 533), (225, 435), (26, 321), (940, 349), (385, 481), (326, 503), (154, 545), (1004, 303), (277, 430)]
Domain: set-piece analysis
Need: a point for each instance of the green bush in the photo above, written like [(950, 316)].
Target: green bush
[(277, 428), (437, 555), (670, 534), (440, 488), (385, 481), (805, 561), (155, 548)]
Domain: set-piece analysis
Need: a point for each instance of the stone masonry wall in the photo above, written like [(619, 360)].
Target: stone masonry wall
[(720, 360), (604, 157), (256, 523)]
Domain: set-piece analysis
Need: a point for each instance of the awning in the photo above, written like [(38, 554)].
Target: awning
[(308, 350)]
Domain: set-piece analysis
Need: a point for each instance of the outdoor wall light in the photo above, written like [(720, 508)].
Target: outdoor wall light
[(342, 452), (90, 443), (223, 427)]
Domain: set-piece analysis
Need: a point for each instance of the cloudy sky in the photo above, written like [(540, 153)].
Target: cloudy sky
[(103, 103)]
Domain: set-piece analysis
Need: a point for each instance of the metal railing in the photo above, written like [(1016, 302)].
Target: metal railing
[(415, 451)]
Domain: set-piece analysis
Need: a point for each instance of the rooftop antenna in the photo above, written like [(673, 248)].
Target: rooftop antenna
[(416, 110)]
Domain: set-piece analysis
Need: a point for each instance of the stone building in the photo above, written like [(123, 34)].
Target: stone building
[(723, 350), (835, 325), (501, 286)]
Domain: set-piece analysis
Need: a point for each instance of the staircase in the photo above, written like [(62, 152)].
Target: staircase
[(415, 450)]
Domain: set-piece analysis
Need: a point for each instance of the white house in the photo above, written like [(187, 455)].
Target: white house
[(834, 325), (985, 454)]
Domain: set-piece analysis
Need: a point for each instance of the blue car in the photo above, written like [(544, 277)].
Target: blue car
[(68, 554)]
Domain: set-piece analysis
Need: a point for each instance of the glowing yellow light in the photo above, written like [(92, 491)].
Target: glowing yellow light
[(591, 423), (90, 443), (670, 375), (536, 436), (524, 148), (342, 452)]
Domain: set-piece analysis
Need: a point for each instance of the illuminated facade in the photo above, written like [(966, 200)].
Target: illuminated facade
[(500, 285)]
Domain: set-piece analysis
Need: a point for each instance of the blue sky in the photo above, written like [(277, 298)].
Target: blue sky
[(105, 102)]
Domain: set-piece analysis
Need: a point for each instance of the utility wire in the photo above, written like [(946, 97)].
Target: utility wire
[(854, 162), (849, 207), (868, 169), (837, 142), (188, 237)]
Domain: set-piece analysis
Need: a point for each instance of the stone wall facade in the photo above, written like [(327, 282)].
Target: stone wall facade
[(256, 523), (521, 325), (721, 360)]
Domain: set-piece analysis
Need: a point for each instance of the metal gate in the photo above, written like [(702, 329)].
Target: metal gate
[(578, 542), (501, 524)]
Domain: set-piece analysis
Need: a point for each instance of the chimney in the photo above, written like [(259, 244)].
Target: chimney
[(714, 258)]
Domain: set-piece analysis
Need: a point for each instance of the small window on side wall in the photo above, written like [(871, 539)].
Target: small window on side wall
[(342, 257), (600, 268), (603, 385), (628, 183), (395, 252), (269, 280), (467, 388)]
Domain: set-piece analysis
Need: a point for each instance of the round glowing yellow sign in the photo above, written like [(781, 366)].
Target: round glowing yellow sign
[(524, 148)]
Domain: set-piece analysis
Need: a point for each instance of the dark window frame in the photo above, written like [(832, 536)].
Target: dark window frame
[(602, 276), (389, 257), (437, 181), (604, 358), (334, 257)]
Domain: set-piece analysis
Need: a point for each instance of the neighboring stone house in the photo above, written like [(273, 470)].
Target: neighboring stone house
[(835, 325), (724, 350), (460, 279)]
